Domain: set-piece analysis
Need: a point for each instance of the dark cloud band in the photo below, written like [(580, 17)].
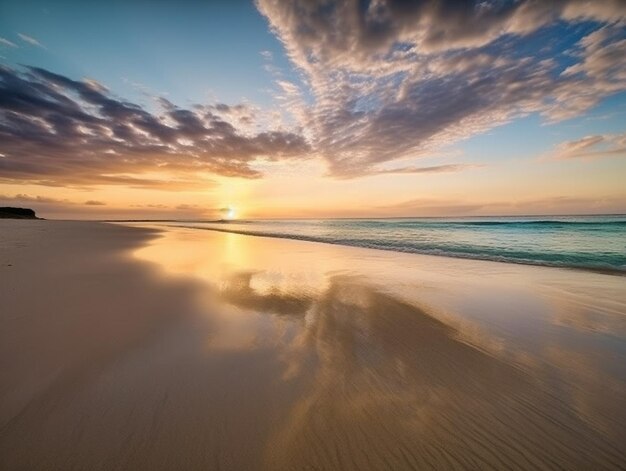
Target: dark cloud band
[(55, 130)]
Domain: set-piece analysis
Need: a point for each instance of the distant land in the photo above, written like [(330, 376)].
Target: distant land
[(17, 213)]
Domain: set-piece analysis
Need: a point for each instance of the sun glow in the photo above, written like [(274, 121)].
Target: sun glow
[(228, 213)]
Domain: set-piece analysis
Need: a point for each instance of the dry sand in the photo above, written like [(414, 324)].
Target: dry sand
[(123, 348)]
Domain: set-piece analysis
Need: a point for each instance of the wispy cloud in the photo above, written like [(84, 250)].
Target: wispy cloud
[(24, 198), (186, 207), (591, 147), (56, 207), (430, 207), (396, 79), (430, 169), (6, 42), (549, 205), (30, 40)]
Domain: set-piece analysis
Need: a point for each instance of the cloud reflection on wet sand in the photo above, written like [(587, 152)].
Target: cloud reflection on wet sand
[(388, 386), (385, 383)]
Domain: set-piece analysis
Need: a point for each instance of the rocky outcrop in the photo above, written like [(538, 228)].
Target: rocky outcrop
[(17, 213)]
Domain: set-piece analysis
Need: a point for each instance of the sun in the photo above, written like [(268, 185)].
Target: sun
[(228, 213)]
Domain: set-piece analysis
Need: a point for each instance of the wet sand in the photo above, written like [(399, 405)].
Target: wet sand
[(127, 348)]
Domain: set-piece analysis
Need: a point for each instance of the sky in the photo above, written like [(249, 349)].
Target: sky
[(312, 108)]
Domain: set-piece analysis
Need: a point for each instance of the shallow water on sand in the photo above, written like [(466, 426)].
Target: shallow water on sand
[(590, 242), (358, 359)]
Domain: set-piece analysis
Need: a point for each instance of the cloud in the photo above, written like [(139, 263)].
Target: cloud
[(592, 147), (58, 131), (430, 207), (6, 42), (377, 82), (152, 205), (30, 40), (396, 79), (430, 169), (90, 209), (23, 198), (547, 206), (187, 207)]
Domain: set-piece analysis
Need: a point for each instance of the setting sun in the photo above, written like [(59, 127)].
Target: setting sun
[(227, 212)]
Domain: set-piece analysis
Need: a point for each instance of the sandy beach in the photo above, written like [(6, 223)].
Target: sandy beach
[(146, 347)]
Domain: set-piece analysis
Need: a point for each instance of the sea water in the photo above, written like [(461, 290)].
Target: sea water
[(592, 242)]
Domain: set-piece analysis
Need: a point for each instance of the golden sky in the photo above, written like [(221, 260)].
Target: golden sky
[(294, 109)]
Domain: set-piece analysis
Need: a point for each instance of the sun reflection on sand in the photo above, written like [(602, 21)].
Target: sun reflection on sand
[(406, 361)]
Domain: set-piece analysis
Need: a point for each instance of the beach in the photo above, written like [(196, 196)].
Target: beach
[(142, 346)]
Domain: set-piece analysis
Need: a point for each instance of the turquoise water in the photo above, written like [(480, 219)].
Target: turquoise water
[(592, 242)]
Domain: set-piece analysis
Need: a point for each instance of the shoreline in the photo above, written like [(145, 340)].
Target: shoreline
[(139, 348), (370, 218), (599, 270)]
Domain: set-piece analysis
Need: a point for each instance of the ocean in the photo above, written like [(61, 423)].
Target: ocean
[(587, 242)]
